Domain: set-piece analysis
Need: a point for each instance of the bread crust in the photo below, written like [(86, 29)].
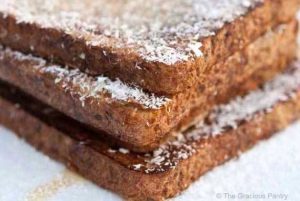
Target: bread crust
[(143, 129), (82, 152), (65, 48)]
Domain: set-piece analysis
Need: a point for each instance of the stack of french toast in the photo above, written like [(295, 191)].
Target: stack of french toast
[(143, 97)]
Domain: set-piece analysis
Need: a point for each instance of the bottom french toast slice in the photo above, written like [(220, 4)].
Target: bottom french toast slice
[(225, 133)]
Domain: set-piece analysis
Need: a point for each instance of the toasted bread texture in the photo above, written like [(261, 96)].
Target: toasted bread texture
[(145, 43), (229, 130), (142, 121)]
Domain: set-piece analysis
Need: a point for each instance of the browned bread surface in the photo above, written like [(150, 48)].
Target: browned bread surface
[(157, 175), (141, 121), (88, 43)]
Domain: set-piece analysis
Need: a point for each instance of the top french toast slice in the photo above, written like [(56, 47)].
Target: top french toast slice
[(161, 46)]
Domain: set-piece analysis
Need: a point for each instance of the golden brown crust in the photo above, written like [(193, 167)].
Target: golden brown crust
[(144, 129), (153, 76), (110, 171)]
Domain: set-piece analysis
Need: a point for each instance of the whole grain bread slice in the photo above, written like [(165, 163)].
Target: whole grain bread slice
[(146, 43), (138, 120), (229, 130)]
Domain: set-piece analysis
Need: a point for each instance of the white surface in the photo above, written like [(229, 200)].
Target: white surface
[(271, 168)]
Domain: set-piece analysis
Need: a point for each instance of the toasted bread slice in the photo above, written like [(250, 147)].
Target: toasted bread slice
[(228, 130), (146, 43), (138, 120)]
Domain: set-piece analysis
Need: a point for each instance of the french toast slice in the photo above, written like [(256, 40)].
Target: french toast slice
[(145, 43)]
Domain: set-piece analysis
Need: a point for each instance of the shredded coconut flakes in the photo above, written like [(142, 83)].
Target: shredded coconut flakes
[(85, 86), (124, 151)]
